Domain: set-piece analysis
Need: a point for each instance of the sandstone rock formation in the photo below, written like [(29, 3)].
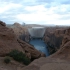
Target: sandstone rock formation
[(60, 32), (30, 50), (48, 64), (57, 61), (9, 41), (20, 31), (54, 38), (64, 51)]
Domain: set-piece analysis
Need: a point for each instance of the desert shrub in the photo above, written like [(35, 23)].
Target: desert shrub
[(7, 60), (19, 56)]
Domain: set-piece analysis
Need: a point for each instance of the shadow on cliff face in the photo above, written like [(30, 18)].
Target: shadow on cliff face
[(54, 44), (54, 38), (64, 51)]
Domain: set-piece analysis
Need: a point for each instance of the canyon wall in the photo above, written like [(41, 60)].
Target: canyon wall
[(53, 38), (64, 51)]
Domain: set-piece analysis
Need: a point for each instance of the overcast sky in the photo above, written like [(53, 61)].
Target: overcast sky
[(35, 11)]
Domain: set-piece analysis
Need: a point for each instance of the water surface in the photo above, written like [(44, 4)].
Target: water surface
[(40, 45)]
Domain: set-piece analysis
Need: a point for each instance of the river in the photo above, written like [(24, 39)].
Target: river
[(40, 45)]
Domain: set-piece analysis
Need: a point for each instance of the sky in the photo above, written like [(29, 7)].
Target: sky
[(49, 12)]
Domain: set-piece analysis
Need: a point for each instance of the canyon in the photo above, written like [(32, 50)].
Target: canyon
[(17, 37)]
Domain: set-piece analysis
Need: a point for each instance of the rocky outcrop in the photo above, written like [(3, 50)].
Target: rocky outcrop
[(54, 39), (60, 32), (30, 51), (64, 51), (20, 31), (9, 41)]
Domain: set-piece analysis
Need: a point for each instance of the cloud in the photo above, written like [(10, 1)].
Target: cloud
[(8, 6), (35, 11), (8, 9), (62, 9)]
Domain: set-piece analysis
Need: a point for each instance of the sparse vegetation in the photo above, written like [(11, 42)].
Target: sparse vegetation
[(19, 56), (7, 60)]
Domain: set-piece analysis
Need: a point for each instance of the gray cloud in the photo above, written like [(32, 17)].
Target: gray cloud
[(48, 4)]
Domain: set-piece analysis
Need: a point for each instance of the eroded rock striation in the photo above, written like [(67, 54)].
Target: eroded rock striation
[(64, 51), (54, 38)]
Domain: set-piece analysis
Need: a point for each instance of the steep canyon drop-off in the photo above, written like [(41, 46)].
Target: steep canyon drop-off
[(59, 38)]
